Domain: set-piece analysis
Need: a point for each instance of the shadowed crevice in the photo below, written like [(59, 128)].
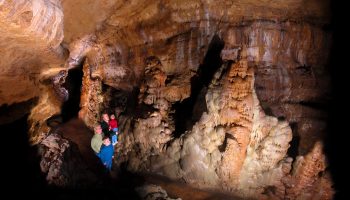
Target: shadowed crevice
[(189, 111)]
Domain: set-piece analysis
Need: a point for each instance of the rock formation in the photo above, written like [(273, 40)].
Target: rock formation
[(153, 192), (29, 30), (226, 95), (62, 163)]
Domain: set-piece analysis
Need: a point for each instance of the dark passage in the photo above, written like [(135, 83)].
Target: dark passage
[(73, 84), (20, 162), (190, 110), (293, 149)]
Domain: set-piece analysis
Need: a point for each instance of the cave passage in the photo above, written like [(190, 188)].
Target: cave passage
[(20, 160), (73, 84), (189, 111)]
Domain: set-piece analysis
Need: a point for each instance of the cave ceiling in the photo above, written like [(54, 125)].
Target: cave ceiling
[(36, 35)]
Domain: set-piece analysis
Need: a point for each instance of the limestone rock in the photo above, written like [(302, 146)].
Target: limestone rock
[(31, 33), (91, 98), (61, 163), (306, 177), (153, 192)]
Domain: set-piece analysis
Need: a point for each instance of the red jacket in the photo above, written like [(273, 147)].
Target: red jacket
[(113, 123)]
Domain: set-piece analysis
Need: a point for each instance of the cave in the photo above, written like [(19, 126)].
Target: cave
[(73, 84), (214, 100)]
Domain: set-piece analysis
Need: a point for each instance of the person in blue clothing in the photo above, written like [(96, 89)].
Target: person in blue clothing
[(106, 153)]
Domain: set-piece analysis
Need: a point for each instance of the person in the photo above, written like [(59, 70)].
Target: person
[(107, 153), (113, 125), (105, 124), (96, 140)]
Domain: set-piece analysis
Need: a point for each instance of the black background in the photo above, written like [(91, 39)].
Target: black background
[(337, 142)]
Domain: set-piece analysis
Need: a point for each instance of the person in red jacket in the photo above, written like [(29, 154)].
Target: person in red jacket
[(113, 125)]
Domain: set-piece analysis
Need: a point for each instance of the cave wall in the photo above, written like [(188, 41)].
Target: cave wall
[(255, 157), (235, 146), (30, 45), (31, 33)]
